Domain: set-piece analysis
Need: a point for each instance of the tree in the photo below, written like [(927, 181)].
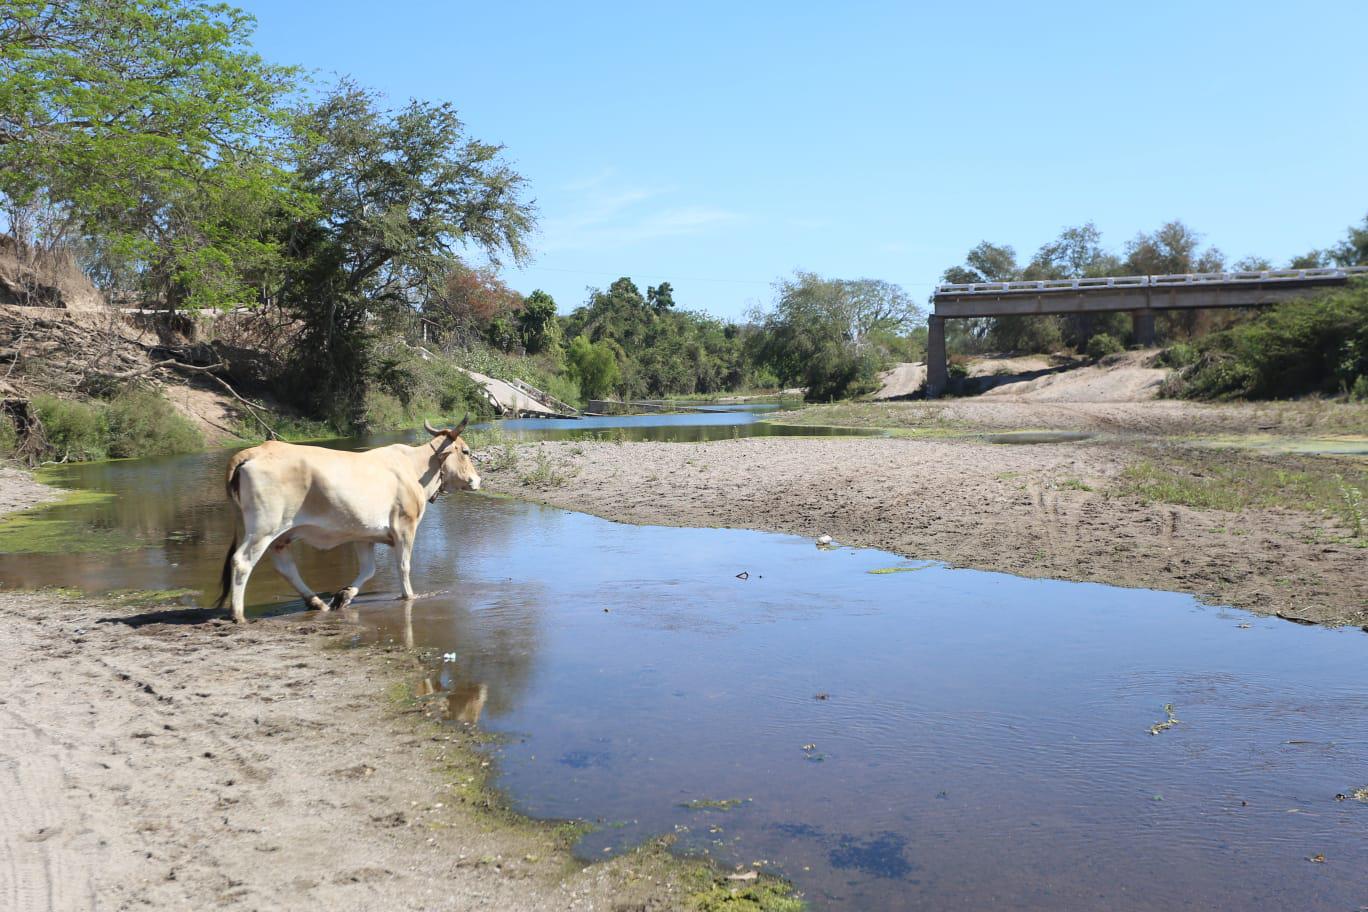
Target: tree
[(1353, 250), (399, 194), (593, 365), (1171, 250), (1314, 259), (538, 327), (815, 334), (1077, 253), (661, 297), (992, 263), (150, 126), (469, 302)]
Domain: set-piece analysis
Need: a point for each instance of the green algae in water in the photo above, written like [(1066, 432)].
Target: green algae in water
[(714, 804), (42, 530), (902, 568)]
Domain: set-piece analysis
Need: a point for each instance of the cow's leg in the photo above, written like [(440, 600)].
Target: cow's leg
[(365, 557), (403, 558), (248, 554), (285, 566)]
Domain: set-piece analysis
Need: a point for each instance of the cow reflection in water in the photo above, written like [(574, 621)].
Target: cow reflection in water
[(463, 703)]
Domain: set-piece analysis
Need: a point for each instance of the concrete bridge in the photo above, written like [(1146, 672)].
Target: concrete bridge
[(1142, 296)]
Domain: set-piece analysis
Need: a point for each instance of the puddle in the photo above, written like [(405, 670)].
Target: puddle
[(935, 739), (1028, 437), (1341, 445)]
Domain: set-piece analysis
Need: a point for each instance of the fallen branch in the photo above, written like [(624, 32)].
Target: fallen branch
[(206, 370)]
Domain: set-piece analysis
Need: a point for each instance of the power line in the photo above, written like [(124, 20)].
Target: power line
[(676, 278)]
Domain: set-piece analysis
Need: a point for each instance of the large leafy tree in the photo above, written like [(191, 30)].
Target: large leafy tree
[(661, 350), (1172, 249), (149, 127), (818, 333), (399, 195)]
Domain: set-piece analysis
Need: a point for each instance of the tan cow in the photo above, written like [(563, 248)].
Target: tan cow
[(286, 493)]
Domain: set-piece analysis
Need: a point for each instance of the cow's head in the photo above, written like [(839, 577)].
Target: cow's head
[(451, 456)]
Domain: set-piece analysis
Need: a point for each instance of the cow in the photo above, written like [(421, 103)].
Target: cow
[(284, 493)]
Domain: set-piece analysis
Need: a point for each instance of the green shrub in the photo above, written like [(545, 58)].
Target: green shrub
[(140, 422), (75, 430), (1306, 346), (381, 411), (1026, 334), (1103, 344), (1178, 355), (1358, 393)]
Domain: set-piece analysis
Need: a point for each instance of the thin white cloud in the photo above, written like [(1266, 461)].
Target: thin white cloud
[(611, 218)]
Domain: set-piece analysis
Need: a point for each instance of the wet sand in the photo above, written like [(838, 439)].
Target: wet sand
[(1038, 511), (153, 757)]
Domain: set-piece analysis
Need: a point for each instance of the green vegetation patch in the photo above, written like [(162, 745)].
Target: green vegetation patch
[(714, 804), (41, 529), (1300, 347), (1326, 487), (902, 568), (761, 895)]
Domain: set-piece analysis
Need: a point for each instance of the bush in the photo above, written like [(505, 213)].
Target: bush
[(1178, 355), (1026, 334), (1359, 391), (140, 422), (1307, 346), (1102, 344), (75, 430)]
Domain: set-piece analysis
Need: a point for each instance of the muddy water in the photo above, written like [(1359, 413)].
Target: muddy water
[(933, 738)]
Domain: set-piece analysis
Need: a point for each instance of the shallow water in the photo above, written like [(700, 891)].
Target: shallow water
[(707, 423), (983, 740), (1030, 437)]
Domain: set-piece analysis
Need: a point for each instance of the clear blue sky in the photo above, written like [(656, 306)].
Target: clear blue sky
[(721, 145)]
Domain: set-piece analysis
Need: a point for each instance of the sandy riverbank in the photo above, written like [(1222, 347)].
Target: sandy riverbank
[(1056, 511), (158, 758)]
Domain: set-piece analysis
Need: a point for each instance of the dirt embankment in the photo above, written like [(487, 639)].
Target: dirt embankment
[(71, 352), (156, 758), (1041, 511)]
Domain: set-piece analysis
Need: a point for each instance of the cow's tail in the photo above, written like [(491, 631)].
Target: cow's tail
[(226, 578)]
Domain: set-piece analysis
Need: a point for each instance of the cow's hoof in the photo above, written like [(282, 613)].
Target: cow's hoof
[(317, 604), (343, 598)]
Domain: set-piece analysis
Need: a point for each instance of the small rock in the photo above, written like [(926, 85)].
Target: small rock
[(824, 539)]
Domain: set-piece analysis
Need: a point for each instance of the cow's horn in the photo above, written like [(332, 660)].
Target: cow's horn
[(460, 427), (427, 426)]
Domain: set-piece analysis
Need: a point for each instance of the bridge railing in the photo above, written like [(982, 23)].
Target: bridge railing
[(1328, 273)]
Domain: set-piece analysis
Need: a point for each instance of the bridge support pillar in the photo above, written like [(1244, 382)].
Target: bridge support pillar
[(937, 367), (1142, 327)]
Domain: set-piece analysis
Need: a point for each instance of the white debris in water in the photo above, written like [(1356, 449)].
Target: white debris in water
[(448, 657), (824, 539)]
